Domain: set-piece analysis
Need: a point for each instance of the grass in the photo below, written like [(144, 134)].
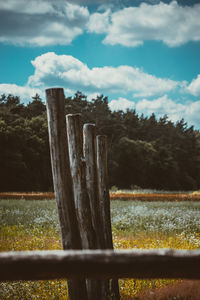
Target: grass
[(33, 225), (139, 194)]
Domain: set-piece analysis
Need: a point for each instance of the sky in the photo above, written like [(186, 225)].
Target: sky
[(143, 55)]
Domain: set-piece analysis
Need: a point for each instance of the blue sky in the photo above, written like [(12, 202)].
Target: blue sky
[(143, 55)]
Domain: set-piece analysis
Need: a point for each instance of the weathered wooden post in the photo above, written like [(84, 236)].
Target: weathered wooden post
[(82, 202), (104, 200), (90, 155), (77, 163), (103, 189), (62, 179)]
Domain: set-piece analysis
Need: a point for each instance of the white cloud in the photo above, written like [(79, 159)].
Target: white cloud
[(131, 26), (67, 71), (99, 22), (194, 87), (121, 104), (24, 92), (41, 23), (192, 113), (175, 111), (160, 107)]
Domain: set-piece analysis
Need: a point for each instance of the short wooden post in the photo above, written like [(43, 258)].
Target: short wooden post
[(63, 181), (103, 189), (90, 155), (104, 200)]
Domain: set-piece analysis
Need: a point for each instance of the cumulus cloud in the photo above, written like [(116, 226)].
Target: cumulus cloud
[(24, 92), (161, 106), (175, 111), (43, 23), (131, 26), (67, 71), (38, 23), (121, 104), (194, 87), (99, 22)]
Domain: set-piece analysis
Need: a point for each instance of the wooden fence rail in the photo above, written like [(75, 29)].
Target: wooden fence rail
[(100, 264)]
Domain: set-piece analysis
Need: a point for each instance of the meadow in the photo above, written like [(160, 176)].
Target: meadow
[(33, 225)]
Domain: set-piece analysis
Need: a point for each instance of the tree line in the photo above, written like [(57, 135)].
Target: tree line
[(143, 151)]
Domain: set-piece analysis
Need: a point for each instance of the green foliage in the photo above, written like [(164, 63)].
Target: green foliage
[(143, 151)]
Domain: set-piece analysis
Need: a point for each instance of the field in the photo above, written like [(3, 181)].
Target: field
[(33, 225)]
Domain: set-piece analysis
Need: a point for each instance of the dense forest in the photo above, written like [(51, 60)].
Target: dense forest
[(143, 151)]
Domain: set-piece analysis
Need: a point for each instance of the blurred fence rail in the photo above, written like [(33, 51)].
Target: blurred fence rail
[(99, 264)]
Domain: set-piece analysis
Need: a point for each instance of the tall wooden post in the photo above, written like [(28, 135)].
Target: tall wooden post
[(104, 200), (82, 203), (63, 182)]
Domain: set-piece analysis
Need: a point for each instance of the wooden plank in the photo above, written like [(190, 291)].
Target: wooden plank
[(39, 265), (63, 181)]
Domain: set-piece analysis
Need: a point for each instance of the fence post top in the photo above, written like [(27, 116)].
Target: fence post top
[(54, 91), (77, 115), (86, 125)]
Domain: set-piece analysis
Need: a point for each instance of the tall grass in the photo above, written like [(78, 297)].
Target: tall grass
[(33, 225)]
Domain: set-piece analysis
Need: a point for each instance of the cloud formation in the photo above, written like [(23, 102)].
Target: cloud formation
[(121, 104), (44, 23), (24, 92), (41, 23), (67, 71), (194, 87), (171, 23), (161, 106)]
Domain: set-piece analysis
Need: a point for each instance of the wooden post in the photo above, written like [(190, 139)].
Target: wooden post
[(103, 189), (90, 155), (104, 200), (82, 203), (63, 181), (77, 162)]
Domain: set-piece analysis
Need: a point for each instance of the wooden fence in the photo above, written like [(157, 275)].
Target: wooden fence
[(79, 168)]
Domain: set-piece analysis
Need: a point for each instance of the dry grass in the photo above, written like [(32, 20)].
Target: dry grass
[(195, 196), (27, 196), (185, 290), (155, 197)]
